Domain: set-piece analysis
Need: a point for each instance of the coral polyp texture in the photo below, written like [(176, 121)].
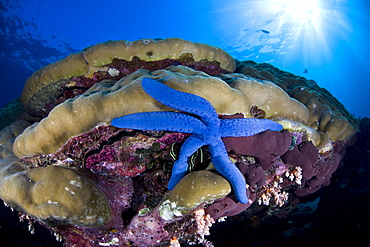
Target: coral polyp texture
[(76, 73), (207, 130), (151, 142)]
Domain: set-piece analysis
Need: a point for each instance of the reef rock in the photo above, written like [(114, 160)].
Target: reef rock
[(64, 165)]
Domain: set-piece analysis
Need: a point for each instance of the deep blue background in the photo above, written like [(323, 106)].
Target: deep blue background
[(330, 40)]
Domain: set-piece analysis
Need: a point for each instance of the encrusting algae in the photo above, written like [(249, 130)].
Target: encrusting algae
[(63, 163)]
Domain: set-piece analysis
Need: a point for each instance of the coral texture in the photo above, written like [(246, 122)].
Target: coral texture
[(326, 113), (73, 199), (93, 184), (106, 101), (74, 74), (206, 131)]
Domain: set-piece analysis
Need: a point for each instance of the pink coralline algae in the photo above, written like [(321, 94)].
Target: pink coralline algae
[(120, 160), (275, 144), (133, 168), (67, 89), (71, 104)]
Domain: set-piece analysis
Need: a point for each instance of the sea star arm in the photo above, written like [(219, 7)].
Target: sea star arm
[(180, 167), (207, 131), (182, 101), (169, 121), (225, 167), (247, 126)]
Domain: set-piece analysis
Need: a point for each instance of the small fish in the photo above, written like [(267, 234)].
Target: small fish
[(265, 31), (305, 71)]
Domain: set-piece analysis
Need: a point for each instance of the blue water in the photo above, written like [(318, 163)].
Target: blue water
[(328, 38)]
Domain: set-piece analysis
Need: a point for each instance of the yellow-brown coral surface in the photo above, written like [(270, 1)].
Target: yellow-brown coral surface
[(56, 193)]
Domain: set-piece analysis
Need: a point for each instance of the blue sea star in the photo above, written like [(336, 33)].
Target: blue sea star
[(207, 130)]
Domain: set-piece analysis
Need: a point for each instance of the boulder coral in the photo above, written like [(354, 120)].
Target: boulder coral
[(65, 166), (104, 102), (74, 74)]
